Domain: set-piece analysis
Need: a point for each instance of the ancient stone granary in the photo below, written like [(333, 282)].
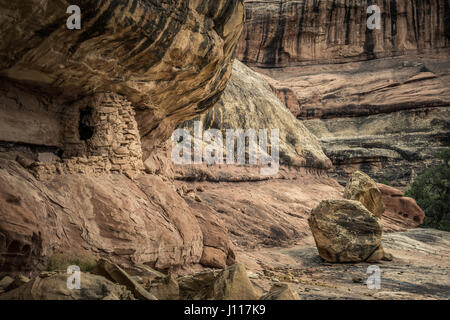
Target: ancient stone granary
[(100, 134)]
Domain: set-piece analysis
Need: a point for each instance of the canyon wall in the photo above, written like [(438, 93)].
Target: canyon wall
[(280, 33), (376, 99)]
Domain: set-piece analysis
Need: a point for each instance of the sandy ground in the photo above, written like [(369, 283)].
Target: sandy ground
[(420, 269)]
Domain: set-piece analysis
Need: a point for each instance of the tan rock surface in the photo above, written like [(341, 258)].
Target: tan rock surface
[(281, 291), (231, 283), (170, 58), (400, 209), (363, 189), (54, 287), (115, 273), (345, 231), (129, 221), (247, 93), (286, 33)]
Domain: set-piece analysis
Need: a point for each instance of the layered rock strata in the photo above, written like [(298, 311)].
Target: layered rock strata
[(284, 33), (376, 99), (171, 59), (100, 100)]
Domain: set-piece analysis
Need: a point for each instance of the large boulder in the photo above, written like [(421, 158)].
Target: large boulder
[(53, 286), (363, 189), (345, 231)]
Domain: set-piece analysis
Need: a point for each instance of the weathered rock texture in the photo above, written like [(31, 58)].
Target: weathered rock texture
[(281, 291), (140, 221), (229, 284), (101, 100), (363, 189), (171, 59), (249, 103), (377, 100), (257, 210), (345, 231), (54, 287), (286, 33), (400, 210)]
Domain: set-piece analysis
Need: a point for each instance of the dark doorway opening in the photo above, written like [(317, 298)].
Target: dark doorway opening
[(86, 125)]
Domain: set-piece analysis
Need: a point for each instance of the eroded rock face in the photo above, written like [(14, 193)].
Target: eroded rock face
[(54, 287), (140, 221), (376, 99), (363, 189), (345, 231), (230, 284), (171, 59), (286, 33), (249, 103), (400, 209)]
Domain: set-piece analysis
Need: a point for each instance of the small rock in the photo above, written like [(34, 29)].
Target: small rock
[(115, 273), (54, 287), (6, 282), (19, 281), (388, 257), (281, 291), (357, 279), (166, 288)]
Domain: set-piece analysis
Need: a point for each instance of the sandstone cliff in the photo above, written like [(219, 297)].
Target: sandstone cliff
[(81, 110), (171, 59), (83, 144), (376, 99), (280, 33)]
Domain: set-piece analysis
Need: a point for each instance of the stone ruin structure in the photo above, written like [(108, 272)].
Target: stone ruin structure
[(94, 135), (100, 135)]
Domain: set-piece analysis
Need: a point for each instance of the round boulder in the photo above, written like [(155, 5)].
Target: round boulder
[(345, 231)]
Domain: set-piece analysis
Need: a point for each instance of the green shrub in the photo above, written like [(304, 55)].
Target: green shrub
[(431, 190)]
